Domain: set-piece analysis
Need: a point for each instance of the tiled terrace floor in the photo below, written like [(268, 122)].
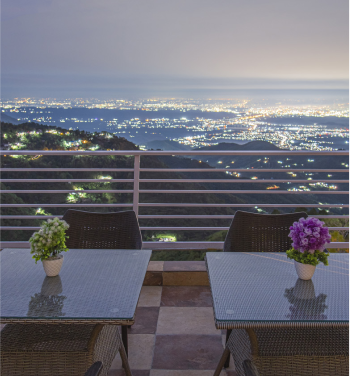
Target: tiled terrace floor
[(174, 334)]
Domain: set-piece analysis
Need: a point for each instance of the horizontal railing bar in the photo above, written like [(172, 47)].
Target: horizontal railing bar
[(165, 216), (331, 216), (179, 205), (208, 245), (64, 205), (68, 191), (24, 191), (267, 181), (23, 228), (66, 169), (67, 180), (216, 216), (243, 170), (338, 228), (167, 245), (175, 170), (274, 191), (156, 216), (173, 152), (245, 205), (35, 228), (262, 181), (30, 216)]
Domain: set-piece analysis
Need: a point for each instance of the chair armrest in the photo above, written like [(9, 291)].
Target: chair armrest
[(249, 368), (94, 370)]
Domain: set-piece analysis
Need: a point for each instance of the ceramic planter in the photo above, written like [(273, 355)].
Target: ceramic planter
[(304, 271), (52, 265)]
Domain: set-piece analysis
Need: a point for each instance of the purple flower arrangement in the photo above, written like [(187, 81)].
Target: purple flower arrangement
[(309, 238), (309, 235)]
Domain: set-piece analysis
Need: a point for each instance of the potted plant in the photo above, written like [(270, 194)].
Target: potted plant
[(47, 244), (309, 239)]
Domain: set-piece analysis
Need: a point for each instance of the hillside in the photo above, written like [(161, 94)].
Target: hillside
[(8, 119), (253, 145), (39, 137), (166, 145)]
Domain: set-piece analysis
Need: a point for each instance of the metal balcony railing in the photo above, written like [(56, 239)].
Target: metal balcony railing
[(136, 191)]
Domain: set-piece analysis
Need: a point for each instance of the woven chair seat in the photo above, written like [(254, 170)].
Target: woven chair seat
[(64, 349), (291, 351)]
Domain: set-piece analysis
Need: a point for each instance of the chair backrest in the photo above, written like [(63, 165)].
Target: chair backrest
[(250, 232), (102, 230)]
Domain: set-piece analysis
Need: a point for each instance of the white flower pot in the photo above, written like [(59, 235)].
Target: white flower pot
[(52, 265), (304, 271)]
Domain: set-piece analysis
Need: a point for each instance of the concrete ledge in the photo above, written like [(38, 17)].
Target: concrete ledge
[(176, 273)]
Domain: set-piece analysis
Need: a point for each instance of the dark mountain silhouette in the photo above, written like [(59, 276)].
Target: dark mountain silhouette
[(253, 145), (166, 145), (8, 119)]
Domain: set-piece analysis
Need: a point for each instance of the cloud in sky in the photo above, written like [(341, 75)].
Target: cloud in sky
[(120, 41)]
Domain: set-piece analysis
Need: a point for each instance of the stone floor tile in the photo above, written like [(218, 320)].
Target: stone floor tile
[(186, 296), (229, 373), (155, 266), (185, 278), (184, 372), (150, 296), (153, 279), (140, 352), (184, 266), (145, 320), (187, 320), (231, 368), (186, 352), (135, 372)]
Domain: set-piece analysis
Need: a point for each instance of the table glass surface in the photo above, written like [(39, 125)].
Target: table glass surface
[(264, 287), (92, 284)]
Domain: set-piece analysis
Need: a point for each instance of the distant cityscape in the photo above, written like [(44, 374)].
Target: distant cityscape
[(194, 123)]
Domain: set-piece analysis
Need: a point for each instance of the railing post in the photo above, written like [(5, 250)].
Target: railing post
[(136, 184)]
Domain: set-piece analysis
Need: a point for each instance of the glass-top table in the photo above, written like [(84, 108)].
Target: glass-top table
[(254, 289), (94, 286)]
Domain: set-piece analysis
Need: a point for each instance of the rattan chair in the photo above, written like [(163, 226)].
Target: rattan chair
[(59, 349), (288, 351), (269, 351), (251, 232), (90, 230)]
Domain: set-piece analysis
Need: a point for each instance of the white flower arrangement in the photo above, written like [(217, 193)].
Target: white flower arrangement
[(50, 240)]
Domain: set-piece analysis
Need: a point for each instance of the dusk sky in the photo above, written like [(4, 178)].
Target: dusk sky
[(68, 48)]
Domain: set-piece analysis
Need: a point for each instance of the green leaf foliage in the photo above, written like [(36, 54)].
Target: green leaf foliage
[(308, 258), (50, 240)]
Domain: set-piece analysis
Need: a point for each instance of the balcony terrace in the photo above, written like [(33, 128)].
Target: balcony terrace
[(174, 333)]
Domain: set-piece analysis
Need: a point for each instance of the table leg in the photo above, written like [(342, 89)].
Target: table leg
[(125, 338), (225, 355), (228, 332)]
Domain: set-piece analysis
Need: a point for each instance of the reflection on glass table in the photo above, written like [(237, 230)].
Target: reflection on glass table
[(304, 303), (48, 302)]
